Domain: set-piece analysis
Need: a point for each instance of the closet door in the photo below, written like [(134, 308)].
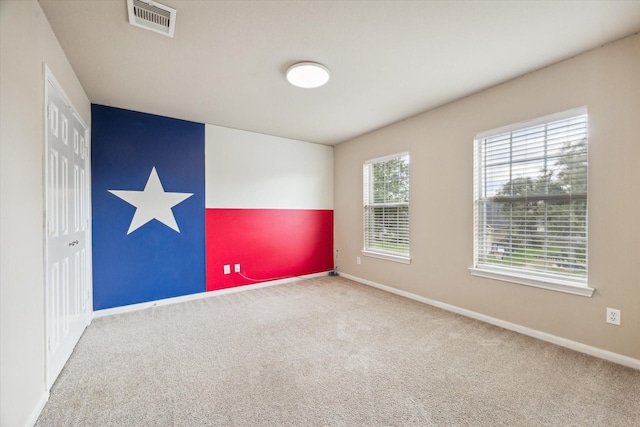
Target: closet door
[(67, 229)]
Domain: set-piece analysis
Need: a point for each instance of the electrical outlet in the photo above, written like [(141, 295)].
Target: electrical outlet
[(227, 269), (613, 316), (358, 260), (236, 268)]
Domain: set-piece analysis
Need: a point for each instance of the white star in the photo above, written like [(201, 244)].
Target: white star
[(152, 203)]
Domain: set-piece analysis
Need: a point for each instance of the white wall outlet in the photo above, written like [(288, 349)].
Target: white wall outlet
[(613, 316), (227, 269), (236, 268), (358, 260)]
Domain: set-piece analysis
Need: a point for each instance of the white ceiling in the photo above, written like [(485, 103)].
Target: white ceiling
[(389, 60)]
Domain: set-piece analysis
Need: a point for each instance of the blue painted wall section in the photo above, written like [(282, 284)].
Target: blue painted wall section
[(139, 254)]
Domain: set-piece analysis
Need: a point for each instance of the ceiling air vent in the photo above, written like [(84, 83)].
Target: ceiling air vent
[(152, 16)]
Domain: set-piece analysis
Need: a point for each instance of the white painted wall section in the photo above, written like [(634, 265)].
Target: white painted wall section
[(249, 170)]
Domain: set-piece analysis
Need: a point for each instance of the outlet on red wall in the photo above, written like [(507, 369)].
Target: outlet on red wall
[(268, 243)]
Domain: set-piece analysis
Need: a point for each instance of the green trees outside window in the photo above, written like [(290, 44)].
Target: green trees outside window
[(531, 205), (386, 205)]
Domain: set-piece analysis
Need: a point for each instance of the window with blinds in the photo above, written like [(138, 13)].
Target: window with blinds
[(531, 199), (386, 207)]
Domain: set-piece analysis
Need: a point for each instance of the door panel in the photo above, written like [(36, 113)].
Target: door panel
[(67, 231)]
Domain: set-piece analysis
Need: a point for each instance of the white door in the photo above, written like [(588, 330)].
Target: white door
[(67, 228)]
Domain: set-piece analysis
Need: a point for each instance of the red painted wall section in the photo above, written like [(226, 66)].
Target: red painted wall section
[(267, 243)]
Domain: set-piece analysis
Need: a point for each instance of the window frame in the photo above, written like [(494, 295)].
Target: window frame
[(539, 279), (368, 251)]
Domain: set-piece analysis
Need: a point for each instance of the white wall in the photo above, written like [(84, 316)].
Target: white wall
[(274, 172), (606, 81), (26, 43)]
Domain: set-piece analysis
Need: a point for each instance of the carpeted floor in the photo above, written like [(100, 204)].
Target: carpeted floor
[(328, 352)]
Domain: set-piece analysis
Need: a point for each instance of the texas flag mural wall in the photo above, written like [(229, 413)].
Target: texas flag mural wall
[(175, 201)]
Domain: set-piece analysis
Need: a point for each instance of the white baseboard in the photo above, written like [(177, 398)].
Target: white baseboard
[(573, 345), (200, 295), (31, 421)]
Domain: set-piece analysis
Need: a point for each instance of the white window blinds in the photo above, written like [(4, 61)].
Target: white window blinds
[(531, 198), (386, 205)]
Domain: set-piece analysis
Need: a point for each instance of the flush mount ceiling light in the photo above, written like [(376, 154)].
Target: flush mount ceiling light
[(308, 75)]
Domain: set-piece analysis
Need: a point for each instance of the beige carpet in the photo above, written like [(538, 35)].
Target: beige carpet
[(328, 352)]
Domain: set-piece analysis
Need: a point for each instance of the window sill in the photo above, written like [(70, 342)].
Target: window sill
[(388, 257), (542, 282)]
